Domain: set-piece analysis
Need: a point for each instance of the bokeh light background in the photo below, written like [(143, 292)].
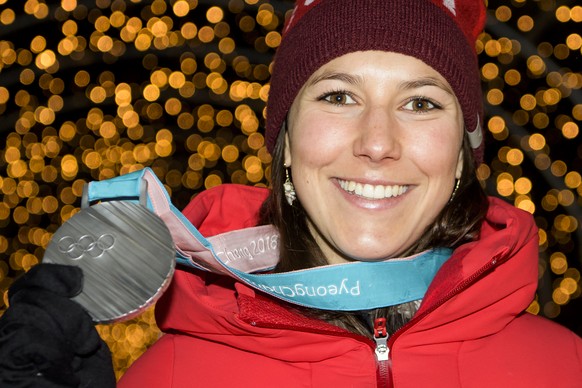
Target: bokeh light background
[(91, 89)]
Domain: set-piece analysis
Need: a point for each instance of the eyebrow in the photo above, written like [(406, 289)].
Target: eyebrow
[(348, 78), (426, 81)]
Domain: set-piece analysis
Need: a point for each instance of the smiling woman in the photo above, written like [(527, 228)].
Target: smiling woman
[(375, 124), (375, 259)]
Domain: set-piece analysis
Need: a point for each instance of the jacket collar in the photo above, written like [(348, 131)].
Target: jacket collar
[(476, 293)]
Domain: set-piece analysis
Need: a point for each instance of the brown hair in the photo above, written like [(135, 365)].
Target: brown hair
[(458, 222)]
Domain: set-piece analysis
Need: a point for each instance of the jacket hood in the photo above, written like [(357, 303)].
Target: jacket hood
[(477, 292)]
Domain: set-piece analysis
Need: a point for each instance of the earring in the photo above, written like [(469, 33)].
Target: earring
[(457, 184), (289, 188)]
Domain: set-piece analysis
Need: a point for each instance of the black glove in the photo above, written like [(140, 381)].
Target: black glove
[(46, 339)]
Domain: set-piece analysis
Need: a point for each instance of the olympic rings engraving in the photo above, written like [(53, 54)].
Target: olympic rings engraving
[(86, 244)]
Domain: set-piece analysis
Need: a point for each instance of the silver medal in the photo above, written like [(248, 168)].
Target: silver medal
[(126, 253)]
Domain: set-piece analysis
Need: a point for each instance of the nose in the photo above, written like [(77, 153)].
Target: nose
[(378, 136)]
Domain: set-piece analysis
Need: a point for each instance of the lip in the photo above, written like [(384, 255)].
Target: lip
[(371, 195)]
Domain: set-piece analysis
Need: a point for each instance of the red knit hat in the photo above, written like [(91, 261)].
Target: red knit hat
[(441, 33)]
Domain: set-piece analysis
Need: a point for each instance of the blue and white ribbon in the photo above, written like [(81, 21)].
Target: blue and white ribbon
[(249, 254)]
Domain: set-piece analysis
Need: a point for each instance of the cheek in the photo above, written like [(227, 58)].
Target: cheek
[(437, 152), (316, 142)]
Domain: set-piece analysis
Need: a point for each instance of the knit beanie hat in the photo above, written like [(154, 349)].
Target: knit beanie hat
[(441, 33)]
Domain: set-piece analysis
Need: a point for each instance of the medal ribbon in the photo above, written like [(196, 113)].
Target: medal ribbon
[(249, 253)]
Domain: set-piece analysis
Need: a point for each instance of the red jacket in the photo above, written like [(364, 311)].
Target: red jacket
[(471, 329)]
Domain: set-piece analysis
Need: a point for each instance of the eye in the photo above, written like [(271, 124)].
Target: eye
[(421, 105), (338, 98)]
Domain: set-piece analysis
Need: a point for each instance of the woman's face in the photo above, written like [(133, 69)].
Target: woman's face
[(374, 146)]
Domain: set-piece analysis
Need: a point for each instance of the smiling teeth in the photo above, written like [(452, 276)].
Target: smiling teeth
[(372, 191)]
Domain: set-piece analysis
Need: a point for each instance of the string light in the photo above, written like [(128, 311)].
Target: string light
[(180, 86)]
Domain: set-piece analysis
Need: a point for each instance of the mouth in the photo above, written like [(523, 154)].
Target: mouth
[(372, 191)]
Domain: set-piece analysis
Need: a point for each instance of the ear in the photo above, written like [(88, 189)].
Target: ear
[(459, 170), (287, 160)]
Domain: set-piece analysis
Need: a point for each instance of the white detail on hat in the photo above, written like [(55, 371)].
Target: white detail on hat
[(450, 4), (307, 2), (290, 21), (476, 137)]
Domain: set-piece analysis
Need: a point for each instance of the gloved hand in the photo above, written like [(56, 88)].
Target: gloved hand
[(46, 339)]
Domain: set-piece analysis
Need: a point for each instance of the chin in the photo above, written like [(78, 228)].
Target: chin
[(371, 256)]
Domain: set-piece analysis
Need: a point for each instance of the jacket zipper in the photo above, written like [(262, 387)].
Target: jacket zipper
[(382, 353), (384, 342)]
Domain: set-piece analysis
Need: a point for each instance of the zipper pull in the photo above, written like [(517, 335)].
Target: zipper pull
[(381, 338)]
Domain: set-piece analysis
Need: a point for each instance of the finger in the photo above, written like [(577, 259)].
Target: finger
[(62, 317), (60, 279)]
